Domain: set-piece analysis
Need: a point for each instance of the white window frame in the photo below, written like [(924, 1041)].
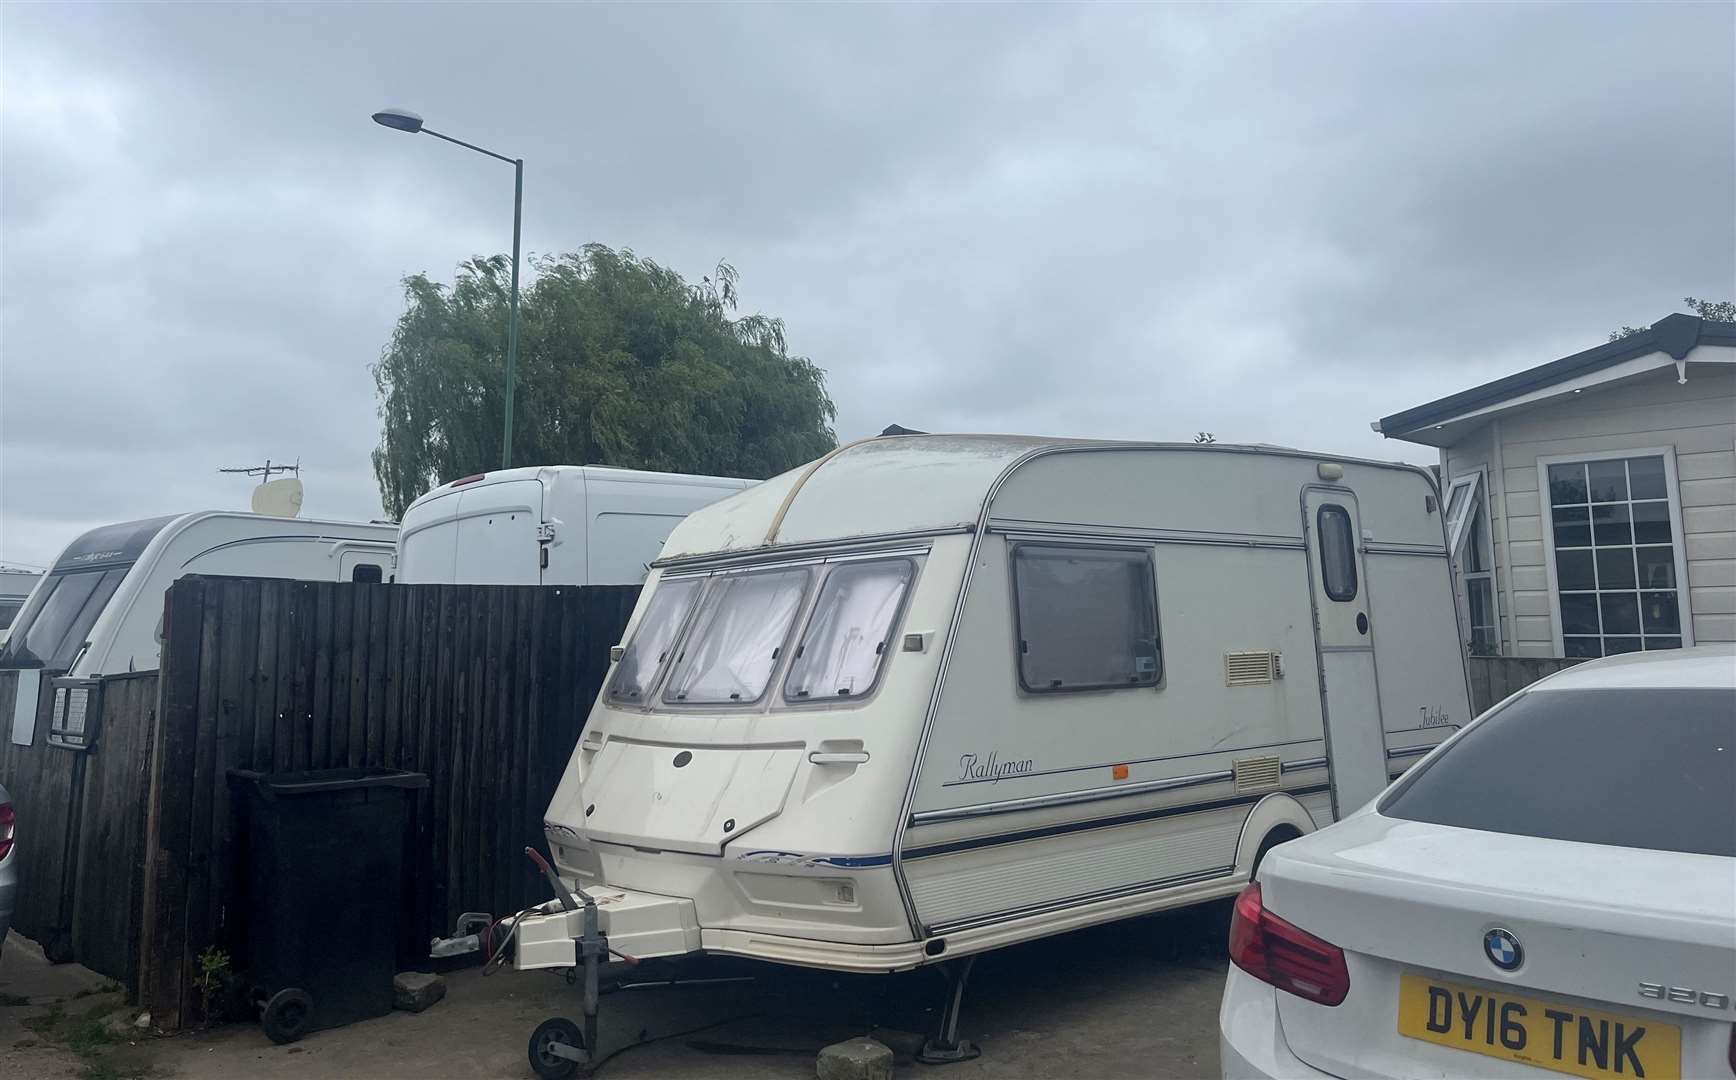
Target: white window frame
[(1478, 497), (1678, 539)]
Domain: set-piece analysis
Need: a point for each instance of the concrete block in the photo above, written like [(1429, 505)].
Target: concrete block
[(414, 991), (855, 1059)]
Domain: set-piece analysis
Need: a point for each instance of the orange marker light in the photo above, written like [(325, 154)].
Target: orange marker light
[(1120, 772)]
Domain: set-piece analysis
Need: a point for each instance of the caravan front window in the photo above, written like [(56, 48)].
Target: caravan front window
[(738, 633), (1087, 618), (645, 654), (51, 635), (848, 636)]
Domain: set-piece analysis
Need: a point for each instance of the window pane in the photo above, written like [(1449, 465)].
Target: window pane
[(1657, 567), (1651, 523), (1658, 611), (1608, 481), (1646, 478), (1579, 614), (1621, 613), (1613, 646), (1573, 570), (1615, 568), (1475, 560), (1087, 618), (848, 636), (1609, 524), (1572, 526), (367, 573), (1656, 643), (61, 624), (8, 611), (738, 632), (1583, 646), (645, 654), (1637, 759), (1457, 503), (1477, 597), (1566, 484), (1337, 552)]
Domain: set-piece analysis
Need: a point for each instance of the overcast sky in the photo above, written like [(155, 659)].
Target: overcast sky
[(1273, 222)]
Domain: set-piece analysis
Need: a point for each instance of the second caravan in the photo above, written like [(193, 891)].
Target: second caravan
[(938, 694)]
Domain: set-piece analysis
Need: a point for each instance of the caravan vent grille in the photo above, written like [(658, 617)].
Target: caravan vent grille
[(1250, 668), (1258, 774)]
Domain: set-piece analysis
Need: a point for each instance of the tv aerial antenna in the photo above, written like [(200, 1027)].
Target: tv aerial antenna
[(275, 498)]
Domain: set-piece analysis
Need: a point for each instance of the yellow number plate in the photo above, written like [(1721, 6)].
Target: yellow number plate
[(1563, 1038)]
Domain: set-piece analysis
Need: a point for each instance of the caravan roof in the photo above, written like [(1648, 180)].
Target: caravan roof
[(903, 484)]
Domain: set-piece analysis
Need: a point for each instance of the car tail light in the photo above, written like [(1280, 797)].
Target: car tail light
[(1273, 951), (8, 823)]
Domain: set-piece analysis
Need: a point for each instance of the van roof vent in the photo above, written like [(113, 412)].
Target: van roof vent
[(1250, 668), (1257, 774)]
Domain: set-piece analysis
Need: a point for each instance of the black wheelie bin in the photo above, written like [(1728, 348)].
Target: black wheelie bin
[(325, 870)]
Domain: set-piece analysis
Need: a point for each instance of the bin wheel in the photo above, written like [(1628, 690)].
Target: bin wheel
[(548, 1064), (286, 1014)]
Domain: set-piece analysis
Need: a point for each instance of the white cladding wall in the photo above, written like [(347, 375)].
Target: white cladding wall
[(1697, 419)]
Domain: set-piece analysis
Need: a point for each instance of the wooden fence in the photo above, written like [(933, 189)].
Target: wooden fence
[(132, 854), (484, 688), (1493, 678), (81, 827)]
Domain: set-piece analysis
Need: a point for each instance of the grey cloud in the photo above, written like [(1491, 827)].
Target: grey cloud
[(1274, 222)]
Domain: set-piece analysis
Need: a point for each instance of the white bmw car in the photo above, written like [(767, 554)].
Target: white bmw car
[(1552, 891)]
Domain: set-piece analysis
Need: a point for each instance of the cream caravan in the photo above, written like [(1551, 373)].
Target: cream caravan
[(938, 694)]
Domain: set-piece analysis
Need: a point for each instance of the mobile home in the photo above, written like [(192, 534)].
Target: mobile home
[(549, 525), (99, 609), (933, 695)]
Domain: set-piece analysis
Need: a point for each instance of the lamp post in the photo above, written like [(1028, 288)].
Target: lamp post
[(403, 120)]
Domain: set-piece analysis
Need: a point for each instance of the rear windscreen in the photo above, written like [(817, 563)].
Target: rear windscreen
[(1631, 768)]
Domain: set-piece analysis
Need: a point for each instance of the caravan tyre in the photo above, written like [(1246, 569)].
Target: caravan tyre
[(285, 1016), (543, 1060)]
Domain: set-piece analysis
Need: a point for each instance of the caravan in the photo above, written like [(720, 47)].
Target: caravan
[(99, 609), (933, 695), (549, 525)]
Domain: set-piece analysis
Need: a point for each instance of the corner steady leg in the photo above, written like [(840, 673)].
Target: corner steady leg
[(946, 1047)]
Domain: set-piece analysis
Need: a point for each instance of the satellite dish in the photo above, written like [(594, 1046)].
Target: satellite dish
[(278, 498)]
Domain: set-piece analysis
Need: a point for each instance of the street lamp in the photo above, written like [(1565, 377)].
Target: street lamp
[(406, 121)]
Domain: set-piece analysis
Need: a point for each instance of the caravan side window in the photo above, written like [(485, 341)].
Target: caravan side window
[(1087, 618), (1337, 552)]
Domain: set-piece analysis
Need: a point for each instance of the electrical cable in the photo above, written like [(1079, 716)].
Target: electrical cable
[(507, 940), (619, 1050)]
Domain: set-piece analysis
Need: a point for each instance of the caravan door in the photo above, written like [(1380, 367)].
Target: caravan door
[(1344, 646)]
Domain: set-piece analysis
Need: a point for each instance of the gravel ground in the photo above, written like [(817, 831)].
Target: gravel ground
[(1135, 1000)]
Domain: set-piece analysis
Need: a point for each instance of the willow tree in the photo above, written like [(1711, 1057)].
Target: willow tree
[(620, 362)]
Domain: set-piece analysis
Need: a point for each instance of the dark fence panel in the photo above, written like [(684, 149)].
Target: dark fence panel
[(109, 871), (482, 687), (1494, 678), (81, 825)]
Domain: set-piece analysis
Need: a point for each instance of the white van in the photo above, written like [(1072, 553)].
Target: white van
[(549, 525), (99, 609), (933, 695)]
